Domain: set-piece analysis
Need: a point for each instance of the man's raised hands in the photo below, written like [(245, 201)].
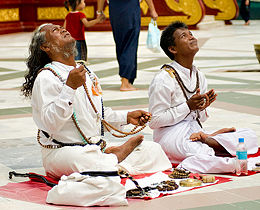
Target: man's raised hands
[(201, 101), (77, 77)]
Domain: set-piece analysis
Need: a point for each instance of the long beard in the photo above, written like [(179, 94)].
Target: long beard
[(70, 50), (67, 50)]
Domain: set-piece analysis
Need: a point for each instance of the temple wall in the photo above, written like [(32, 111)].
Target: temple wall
[(26, 15)]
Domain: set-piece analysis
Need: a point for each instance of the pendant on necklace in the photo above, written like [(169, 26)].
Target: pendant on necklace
[(96, 88)]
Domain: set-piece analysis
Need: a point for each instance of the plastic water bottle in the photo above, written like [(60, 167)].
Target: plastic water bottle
[(241, 158)]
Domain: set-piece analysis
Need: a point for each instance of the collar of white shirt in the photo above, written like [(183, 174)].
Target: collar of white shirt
[(60, 65), (184, 70)]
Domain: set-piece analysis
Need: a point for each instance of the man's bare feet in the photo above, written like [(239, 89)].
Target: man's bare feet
[(247, 23), (126, 85), (211, 142), (125, 149), (201, 136), (223, 130)]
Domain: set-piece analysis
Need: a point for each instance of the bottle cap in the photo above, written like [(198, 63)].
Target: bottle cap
[(241, 140)]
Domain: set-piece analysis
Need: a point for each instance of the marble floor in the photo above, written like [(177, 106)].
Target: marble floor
[(226, 57)]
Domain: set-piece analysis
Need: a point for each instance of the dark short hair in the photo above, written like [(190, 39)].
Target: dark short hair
[(71, 3), (167, 38)]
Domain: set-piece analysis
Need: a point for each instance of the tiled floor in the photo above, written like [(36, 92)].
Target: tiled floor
[(226, 57)]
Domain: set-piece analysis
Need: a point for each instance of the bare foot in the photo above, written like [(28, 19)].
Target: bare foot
[(247, 23), (125, 149), (223, 130), (126, 85), (200, 136)]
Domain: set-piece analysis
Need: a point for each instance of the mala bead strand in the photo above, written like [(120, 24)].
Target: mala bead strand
[(103, 115), (60, 144), (106, 124), (54, 72), (90, 100), (181, 82), (132, 132), (179, 174), (75, 121), (168, 185), (83, 137), (175, 74), (74, 117), (46, 146), (86, 140), (178, 78), (138, 191)]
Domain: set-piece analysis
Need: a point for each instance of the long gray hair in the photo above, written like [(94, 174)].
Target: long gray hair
[(37, 59)]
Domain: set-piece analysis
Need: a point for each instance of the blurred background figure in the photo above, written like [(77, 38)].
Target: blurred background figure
[(75, 23), (245, 11), (125, 19)]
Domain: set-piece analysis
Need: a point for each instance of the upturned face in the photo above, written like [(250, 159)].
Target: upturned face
[(185, 43), (57, 35), (58, 40)]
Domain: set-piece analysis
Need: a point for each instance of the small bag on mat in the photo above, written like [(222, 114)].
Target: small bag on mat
[(84, 190), (153, 37)]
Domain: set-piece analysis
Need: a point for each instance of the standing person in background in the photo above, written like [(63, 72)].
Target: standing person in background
[(245, 11), (125, 19), (75, 23)]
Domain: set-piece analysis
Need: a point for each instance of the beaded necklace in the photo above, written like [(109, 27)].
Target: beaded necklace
[(179, 80), (74, 116), (104, 123), (175, 74), (85, 140), (92, 78)]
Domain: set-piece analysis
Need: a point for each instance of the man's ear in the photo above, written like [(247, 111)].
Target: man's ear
[(45, 48), (172, 50)]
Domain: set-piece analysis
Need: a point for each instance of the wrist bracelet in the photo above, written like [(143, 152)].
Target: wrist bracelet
[(99, 12)]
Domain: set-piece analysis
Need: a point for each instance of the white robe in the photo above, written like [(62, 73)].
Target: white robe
[(173, 124), (53, 103)]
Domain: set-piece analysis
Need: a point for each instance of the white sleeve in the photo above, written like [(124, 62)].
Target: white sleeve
[(163, 112), (115, 118), (52, 102)]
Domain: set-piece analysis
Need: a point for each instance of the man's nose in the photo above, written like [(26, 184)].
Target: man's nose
[(63, 30), (191, 36)]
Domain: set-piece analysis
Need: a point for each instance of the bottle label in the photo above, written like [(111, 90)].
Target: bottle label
[(241, 155)]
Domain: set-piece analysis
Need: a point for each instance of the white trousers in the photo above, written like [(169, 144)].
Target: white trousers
[(197, 156), (148, 157)]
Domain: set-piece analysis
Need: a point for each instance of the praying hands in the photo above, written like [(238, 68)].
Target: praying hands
[(201, 101)]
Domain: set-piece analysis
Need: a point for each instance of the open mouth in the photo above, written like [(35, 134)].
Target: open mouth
[(194, 42)]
